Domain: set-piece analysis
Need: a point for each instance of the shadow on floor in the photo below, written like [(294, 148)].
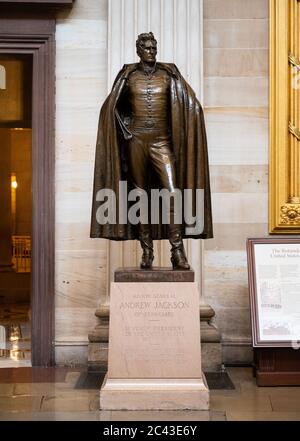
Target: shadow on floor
[(215, 380)]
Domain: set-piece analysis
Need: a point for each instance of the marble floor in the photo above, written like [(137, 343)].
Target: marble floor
[(50, 394), (15, 345)]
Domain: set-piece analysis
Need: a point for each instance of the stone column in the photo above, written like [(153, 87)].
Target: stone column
[(178, 28), (5, 202)]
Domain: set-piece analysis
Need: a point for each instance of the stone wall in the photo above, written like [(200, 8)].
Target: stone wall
[(80, 282), (236, 110), (235, 99)]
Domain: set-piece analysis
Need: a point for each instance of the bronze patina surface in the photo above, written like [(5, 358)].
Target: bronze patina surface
[(152, 134)]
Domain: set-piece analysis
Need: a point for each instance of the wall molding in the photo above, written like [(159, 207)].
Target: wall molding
[(36, 3)]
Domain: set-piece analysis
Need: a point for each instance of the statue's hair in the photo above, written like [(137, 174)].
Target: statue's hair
[(142, 38)]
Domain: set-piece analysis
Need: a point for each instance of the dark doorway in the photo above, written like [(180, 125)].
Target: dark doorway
[(15, 209), (29, 39)]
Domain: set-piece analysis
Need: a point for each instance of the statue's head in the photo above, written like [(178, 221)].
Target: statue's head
[(146, 47)]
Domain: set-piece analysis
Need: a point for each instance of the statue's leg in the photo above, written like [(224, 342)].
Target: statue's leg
[(147, 246), (162, 159), (138, 162)]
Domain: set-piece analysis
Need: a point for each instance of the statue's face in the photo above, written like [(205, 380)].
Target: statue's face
[(148, 51)]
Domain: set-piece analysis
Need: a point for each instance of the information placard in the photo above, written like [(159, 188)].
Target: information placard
[(274, 286)]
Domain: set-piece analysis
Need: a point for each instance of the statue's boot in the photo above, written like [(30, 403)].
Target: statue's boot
[(147, 246), (178, 256)]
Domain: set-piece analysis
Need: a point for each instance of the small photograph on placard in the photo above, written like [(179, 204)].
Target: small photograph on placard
[(270, 294)]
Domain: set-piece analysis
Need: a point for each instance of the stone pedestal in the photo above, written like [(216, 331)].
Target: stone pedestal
[(154, 394), (154, 359), (210, 336)]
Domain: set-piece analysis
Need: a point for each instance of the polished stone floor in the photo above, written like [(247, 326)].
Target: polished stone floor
[(51, 394)]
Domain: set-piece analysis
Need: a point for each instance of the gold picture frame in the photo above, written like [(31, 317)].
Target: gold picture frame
[(284, 169)]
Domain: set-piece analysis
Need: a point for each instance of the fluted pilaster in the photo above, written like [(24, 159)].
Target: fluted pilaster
[(178, 28)]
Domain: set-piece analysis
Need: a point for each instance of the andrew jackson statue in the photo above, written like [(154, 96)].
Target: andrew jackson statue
[(152, 135)]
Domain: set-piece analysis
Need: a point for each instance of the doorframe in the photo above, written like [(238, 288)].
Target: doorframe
[(37, 38)]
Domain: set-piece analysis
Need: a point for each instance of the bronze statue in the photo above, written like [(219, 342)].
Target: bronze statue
[(152, 135)]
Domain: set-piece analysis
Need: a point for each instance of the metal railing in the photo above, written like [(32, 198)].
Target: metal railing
[(21, 253)]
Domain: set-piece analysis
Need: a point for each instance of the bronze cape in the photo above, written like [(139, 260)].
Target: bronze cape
[(189, 147)]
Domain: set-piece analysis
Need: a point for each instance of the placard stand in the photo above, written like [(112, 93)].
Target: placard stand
[(277, 366)]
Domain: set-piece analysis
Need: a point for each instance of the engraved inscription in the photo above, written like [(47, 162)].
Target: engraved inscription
[(153, 328)]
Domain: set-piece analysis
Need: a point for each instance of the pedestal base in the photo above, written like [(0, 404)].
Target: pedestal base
[(210, 336), (154, 394), (154, 357)]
